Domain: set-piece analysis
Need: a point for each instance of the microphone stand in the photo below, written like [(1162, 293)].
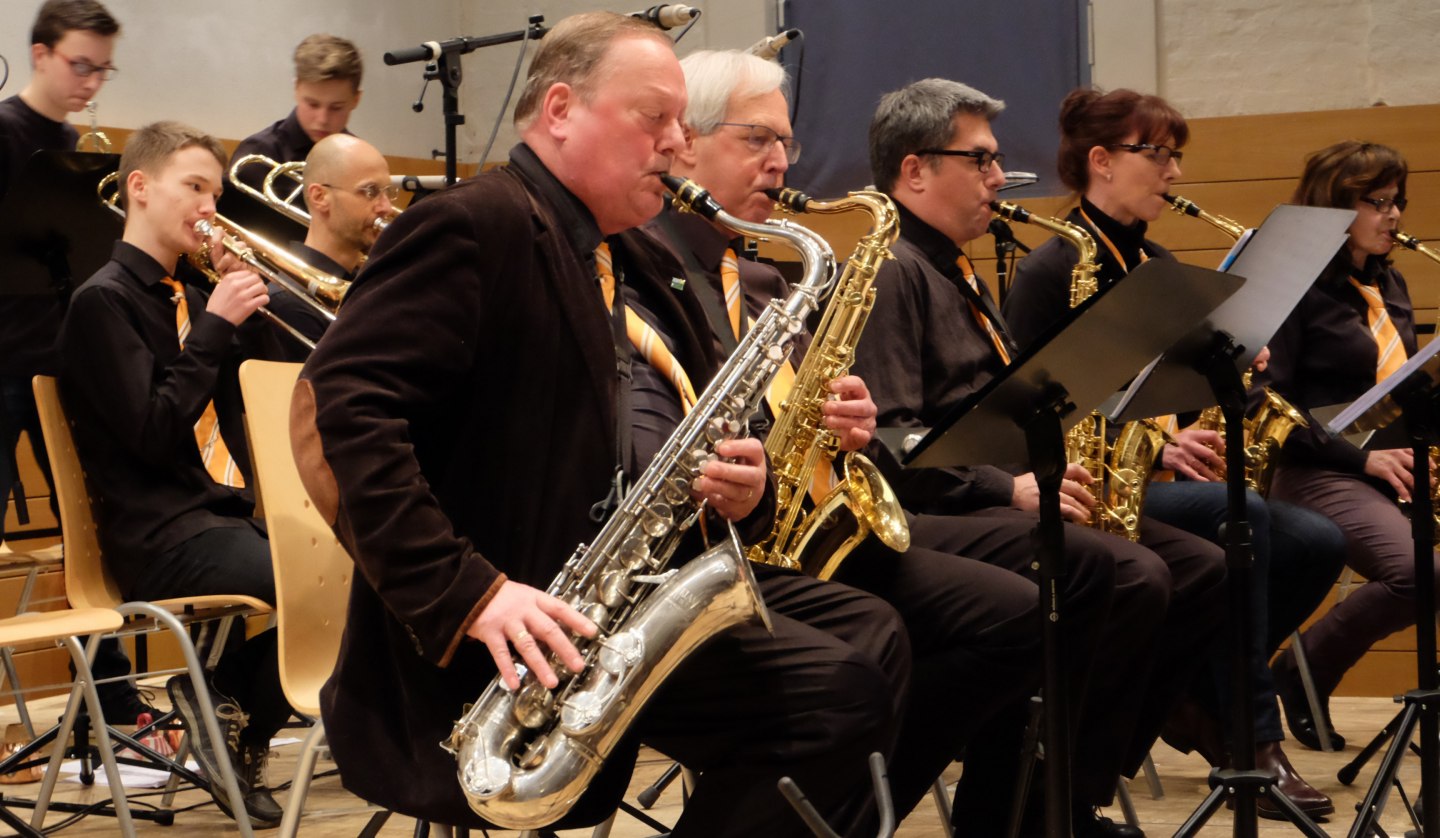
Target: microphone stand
[(443, 64), (1005, 247)]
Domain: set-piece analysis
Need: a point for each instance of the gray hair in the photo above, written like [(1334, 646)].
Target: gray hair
[(917, 116), (712, 77)]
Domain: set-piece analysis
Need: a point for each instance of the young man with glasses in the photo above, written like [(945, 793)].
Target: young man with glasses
[(71, 44), (347, 190), (933, 338)]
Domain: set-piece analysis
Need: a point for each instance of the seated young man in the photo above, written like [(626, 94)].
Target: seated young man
[(147, 375)]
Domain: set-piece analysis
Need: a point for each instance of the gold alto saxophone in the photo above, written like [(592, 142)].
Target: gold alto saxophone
[(1409, 242), (1121, 474), (1266, 431), (799, 443), (525, 757)]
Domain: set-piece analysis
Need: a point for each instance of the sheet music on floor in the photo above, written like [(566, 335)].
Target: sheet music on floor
[(138, 777)]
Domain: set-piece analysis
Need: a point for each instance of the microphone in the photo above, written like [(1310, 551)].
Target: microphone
[(417, 183), (769, 48), (668, 15), (1017, 179)]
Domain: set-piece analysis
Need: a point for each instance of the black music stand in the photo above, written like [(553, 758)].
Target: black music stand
[(1281, 260), (253, 214), (1410, 399), (54, 230), (1021, 415)]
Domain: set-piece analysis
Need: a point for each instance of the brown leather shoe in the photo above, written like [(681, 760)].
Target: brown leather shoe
[(1270, 757)]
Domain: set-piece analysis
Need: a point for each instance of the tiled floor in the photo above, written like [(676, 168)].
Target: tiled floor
[(331, 812)]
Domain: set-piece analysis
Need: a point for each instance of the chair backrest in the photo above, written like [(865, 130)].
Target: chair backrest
[(312, 569), (88, 584)]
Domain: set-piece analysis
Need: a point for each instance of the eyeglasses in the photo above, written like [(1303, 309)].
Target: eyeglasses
[(370, 191), (1383, 205), (84, 69), (761, 139), (982, 159), (1162, 156)]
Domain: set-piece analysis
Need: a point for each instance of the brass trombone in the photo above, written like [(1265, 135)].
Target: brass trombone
[(268, 192), (319, 290)]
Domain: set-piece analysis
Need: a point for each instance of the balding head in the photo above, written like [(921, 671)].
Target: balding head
[(346, 181), (339, 155)]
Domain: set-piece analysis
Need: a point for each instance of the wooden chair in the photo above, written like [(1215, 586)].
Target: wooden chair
[(312, 569), (65, 628), (29, 564), (88, 584)]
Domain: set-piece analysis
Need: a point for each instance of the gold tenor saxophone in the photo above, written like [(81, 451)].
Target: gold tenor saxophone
[(862, 503), (525, 757), (1120, 474), (1266, 431)]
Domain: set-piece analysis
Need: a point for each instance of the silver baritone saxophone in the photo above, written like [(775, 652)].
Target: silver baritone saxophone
[(525, 757)]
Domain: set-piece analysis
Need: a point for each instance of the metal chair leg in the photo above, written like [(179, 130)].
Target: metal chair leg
[(300, 786), (1152, 777), (1312, 695), (942, 805), (1127, 805)]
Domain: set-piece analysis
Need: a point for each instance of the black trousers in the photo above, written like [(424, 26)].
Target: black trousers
[(1138, 618), (810, 701), (975, 638), (230, 560)]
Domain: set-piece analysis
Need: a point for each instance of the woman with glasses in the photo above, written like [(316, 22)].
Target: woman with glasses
[(1354, 327), (1120, 152)]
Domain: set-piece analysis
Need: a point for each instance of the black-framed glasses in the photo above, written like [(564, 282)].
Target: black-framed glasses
[(371, 191), (1383, 205), (982, 159), (84, 69), (761, 139), (1162, 155)]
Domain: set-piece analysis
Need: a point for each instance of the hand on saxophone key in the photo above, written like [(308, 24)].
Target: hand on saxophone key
[(851, 416), (534, 623), (733, 488), (1393, 465), (1197, 454), (238, 295)]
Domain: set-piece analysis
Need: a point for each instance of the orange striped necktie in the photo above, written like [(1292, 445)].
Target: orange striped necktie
[(213, 453), (644, 338), (730, 283), (968, 271), (1390, 352)]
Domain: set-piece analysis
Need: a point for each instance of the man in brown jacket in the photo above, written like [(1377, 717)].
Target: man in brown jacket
[(460, 421)]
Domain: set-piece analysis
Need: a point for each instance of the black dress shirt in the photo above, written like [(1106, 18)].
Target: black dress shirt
[(922, 353), (284, 142), (1039, 296), (28, 325), (1324, 354), (133, 397)]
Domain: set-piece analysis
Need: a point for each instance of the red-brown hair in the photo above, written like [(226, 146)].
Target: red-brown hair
[(1089, 118)]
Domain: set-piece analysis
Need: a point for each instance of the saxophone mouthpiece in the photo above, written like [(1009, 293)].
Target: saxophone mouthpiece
[(692, 196), (1182, 205), (1014, 212), (1405, 239), (791, 199)]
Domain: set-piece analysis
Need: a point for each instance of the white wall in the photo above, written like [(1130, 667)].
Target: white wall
[(226, 67), (1222, 57)]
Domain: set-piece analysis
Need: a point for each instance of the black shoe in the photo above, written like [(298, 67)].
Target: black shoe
[(124, 705), (208, 754), (1297, 709), (265, 813), (1089, 823)]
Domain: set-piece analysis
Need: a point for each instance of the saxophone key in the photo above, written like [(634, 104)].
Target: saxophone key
[(532, 705), (657, 519), (613, 589)]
